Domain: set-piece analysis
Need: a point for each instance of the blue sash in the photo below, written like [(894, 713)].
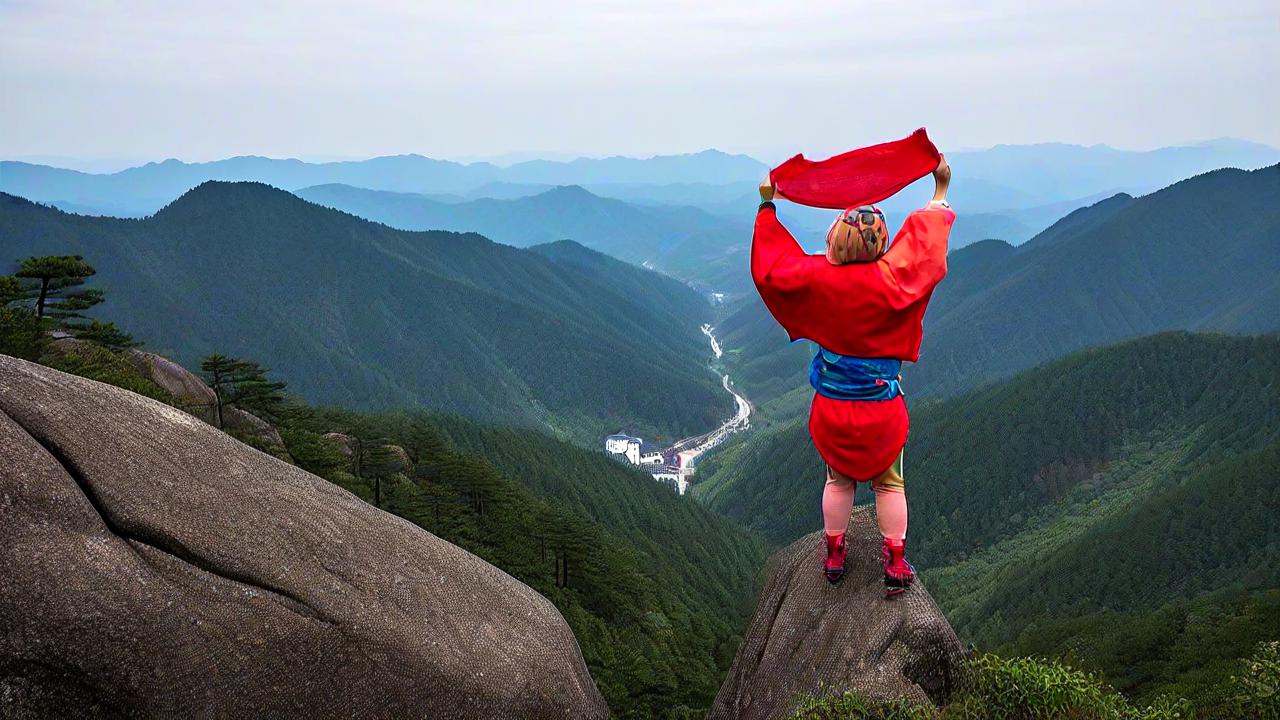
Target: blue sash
[(841, 377)]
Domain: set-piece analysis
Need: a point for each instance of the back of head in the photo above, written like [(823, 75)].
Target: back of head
[(858, 235)]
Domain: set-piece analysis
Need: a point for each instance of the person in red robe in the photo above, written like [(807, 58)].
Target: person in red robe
[(862, 303)]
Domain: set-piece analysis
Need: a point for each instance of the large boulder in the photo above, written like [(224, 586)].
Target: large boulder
[(345, 443), (188, 390), (397, 460), (809, 637), (154, 566), (253, 429), (191, 394), (391, 458)]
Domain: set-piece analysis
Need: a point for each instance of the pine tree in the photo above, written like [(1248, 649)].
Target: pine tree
[(55, 282), (106, 335), (254, 393), (242, 384), (219, 374), (372, 460)]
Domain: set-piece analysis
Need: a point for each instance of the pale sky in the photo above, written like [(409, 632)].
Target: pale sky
[(202, 80)]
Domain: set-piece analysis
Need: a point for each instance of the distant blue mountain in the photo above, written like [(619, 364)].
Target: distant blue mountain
[(145, 189), (663, 237), (1008, 192)]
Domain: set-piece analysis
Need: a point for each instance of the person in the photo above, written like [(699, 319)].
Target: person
[(862, 303)]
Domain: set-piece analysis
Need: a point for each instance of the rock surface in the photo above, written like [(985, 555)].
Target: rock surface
[(809, 637), (244, 424), (192, 395), (345, 444), (398, 460), (187, 389), (152, 566)]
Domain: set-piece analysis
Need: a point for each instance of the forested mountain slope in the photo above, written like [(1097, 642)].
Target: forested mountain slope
[(983, 464), (361, 315), (1151, 265), (1130, 479), (1203, 254)]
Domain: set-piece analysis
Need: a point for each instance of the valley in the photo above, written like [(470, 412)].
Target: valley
[(677, 463)]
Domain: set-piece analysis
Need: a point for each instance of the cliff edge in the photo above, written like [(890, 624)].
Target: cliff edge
[(811, 638)]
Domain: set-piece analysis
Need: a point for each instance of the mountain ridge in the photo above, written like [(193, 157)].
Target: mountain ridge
[(361, 314), (644, 236), (989, 180)]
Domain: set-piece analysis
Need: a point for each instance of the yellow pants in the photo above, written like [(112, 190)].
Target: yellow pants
[(892, 477)]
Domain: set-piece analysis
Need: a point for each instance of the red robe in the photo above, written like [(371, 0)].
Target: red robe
[(872, 310)]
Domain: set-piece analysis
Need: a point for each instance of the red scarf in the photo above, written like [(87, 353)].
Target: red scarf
[(858, 177)]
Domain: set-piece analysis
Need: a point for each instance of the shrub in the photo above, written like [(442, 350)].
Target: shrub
[(1031, 689), (850, 706), (1007, 689), (98, 363), (1254, 691)]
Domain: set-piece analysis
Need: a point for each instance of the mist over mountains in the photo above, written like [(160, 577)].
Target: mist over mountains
[(661, 237), (143, 190), (1007, 192)]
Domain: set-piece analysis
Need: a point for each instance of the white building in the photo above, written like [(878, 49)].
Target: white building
[(624, 445)]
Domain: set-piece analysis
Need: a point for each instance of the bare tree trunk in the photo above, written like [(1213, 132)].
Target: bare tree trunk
[(44, 297), (562, 569), (216, 386)]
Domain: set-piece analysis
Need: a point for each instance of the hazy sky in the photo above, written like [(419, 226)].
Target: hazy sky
[(199, 80)]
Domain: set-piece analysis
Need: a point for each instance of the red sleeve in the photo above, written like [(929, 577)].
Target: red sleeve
[(917, 260), (777, 260)]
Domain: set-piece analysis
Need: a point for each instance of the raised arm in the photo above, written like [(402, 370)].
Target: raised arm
[(777, 260), (766, 189), (917, 260), (941, 181)]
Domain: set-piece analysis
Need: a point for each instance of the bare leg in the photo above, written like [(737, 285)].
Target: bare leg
[(891, 514), (837, 502)]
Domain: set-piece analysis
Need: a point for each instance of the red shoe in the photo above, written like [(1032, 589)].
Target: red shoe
[(833, 567), (898, 573)]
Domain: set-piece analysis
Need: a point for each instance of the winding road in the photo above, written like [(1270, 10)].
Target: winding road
[(691, 448)]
